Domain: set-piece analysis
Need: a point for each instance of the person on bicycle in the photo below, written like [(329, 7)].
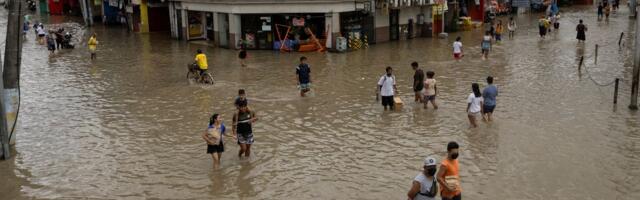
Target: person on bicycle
[(201, 60)]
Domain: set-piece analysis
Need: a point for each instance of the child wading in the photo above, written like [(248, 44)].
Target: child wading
[(303, 74), (457, 49), (499, 31), (486, 45), (512, 27), (474, 104), (430, 90), (542, 26)]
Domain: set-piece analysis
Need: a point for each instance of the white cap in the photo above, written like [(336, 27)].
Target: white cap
[(430, 161)]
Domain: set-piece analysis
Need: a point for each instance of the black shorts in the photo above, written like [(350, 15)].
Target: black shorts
[(418, 88), (488, 109), (215, 148), (387, 101)]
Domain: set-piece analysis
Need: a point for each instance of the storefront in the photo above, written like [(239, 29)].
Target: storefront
[(269, 31), (358, 28), (111, 10), (196, 25), (60, 7)]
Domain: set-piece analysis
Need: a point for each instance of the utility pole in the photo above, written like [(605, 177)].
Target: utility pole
[(11, 73), (4, 134), (632, 8), (636, 69)]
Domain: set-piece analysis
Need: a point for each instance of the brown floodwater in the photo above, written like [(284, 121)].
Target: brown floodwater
[(128, 125)]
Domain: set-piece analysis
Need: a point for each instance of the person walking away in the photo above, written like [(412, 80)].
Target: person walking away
[(303, 74), (59, 38), (418, 82), (424, 186), (541, 27), (581, 29), (214, 136), (474, 104), (203, 64), (241, 99), (457, 49), (387, 88), (499, 31), (486, 45), (449, 175), (550, 19), (242, 55), (51, 43), (93, 45), (492, 29), (25, 29), (430, 90), (489, 95), (512, 27), (607, 11), (242, 129), (35, 28), (600, 11), (547, 24), (41, 34)]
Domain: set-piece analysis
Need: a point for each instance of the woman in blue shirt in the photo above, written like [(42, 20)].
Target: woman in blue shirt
[(214, 136)]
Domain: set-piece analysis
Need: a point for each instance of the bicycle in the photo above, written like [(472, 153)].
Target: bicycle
[(193, 74)]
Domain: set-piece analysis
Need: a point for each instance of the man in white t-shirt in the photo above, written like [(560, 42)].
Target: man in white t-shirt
[(457, 49), (387, 88), (424, 185)]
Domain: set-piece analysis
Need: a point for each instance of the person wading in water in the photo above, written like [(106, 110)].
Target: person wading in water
[(242, 122), (448, 175)]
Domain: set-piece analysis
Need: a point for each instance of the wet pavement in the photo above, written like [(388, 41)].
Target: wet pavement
[(128, 125)]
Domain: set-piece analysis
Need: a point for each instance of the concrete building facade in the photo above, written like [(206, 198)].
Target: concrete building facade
[(267, 24)]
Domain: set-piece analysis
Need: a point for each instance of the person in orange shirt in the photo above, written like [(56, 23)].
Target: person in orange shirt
[(448, 175)]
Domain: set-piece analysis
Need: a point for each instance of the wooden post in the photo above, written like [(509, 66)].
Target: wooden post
[(633, 105), (620, 40), (615, 92), (596, 61)]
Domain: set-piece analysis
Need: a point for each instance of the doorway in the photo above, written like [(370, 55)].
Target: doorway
[(394, 24)]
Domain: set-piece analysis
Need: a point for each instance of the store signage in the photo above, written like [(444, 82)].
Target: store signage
[(266, 23)]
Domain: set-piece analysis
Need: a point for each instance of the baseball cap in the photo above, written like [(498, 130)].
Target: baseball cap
[(430, 161)]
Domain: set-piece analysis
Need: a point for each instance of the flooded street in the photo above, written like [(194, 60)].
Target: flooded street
[(128, 125)]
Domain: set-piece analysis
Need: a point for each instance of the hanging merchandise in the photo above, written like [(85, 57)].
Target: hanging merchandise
[(298, 21)]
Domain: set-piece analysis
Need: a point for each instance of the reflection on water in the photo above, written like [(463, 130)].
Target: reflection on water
[(128, 125)]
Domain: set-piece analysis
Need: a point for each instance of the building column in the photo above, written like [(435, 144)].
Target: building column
[(381, 26), (235, 30), (172, 20), (335, 28), (216, 29), (144, 17), (185, 24)]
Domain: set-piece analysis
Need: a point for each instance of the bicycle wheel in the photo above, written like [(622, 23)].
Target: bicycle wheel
[(191, 76), (208, 79)]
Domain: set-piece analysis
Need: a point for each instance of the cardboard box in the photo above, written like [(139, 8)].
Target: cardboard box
[(397, 103)]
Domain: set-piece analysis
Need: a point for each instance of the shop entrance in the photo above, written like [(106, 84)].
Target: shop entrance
[(196, 25), (394, 24)]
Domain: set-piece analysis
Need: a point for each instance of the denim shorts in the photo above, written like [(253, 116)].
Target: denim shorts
[(488, 109)]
